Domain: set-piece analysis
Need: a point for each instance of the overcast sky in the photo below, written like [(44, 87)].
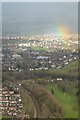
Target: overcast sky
[(40, 0), (41, 15)]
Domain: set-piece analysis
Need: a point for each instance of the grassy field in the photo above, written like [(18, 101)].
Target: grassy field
[(4, 117), (68, 102), (39, 48)]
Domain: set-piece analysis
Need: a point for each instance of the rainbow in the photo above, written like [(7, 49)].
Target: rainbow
[(62, 30)]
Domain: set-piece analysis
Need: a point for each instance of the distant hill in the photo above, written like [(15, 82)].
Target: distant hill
[(69, 71)]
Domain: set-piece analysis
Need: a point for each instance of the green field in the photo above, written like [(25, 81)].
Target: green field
[(4, 117), (39, 48), (68, 102)]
